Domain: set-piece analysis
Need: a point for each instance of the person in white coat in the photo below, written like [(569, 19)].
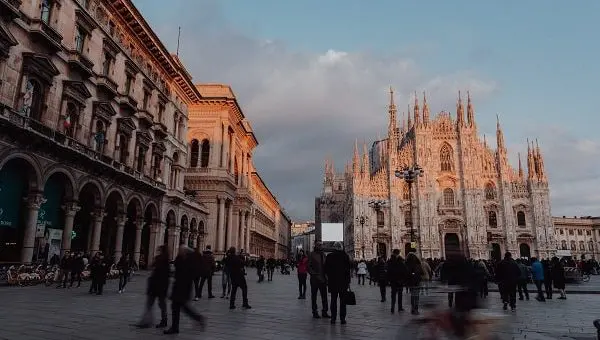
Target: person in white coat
[(362, 272)]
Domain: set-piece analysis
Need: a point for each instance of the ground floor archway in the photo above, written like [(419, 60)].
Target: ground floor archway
[(524, 250), (15, 176), (451, 244), (382, 250), (496, 253)]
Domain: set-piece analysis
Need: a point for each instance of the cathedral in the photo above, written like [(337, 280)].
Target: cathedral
[(468, 197)]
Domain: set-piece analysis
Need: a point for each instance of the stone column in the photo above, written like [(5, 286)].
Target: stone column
[(71, 210), (155, 231), (34, 202), (139, 225), (121, 220), (225, 134), (248, 171), (230, 225), (249, 226), (97, 231), (194, 237), (173, 241), (185, 237), (221, 227)]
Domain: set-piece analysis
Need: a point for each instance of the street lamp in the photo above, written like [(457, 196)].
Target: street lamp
[(362, 220), (410, 175), (377, 205)]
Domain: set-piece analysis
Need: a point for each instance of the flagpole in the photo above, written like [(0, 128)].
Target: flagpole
[(178, 38)]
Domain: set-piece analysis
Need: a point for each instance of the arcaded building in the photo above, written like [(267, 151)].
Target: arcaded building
[(469, 197), (243, 212), (93, 120)]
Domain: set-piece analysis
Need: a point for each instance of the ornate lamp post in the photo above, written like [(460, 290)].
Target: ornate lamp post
[(410, 175), (377, 205), (362, 220)]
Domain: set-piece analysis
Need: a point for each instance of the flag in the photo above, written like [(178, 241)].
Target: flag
[(67, 122)]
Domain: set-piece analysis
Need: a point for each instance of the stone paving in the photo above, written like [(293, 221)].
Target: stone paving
[(39, 312)]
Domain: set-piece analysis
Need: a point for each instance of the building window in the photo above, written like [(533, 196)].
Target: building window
[(128, 83), (123, 149), (490, 191), (571, 232), (561, 231), (71, 119), (448, 197), (581, 245), (141, 159), (84, 3), (46, 11), (161, 112), (79, 39), (563, 245), (236, 171), (194, 152), (380, 219), (573, 245), (446, 158), (33, 98), (205, 153), (579, 232), (146, 100), (156, 167), (588, 233), (107, 64), (521, 219), (99, 137), (591, 246), (492, 219)]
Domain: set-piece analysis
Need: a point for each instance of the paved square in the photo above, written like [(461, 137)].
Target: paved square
[(48, 313)]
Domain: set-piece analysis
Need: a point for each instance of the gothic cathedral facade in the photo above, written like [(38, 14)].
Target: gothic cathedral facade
[(468, 198)]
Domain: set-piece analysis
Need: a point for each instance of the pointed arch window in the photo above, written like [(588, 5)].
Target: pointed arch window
[(446, 158), (407, 218), (521, 222), (449, 197), (492, 219), (380, 219), (195, 149), (490, 191), (205, 153)]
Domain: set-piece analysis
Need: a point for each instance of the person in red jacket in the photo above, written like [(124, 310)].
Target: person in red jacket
[(302, 274)]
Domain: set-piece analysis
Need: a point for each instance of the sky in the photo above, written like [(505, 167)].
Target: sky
[(312, 77)]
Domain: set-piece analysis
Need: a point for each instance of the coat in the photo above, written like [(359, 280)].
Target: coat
[(537, 271), (397, 272), (558, 275), (184, 279), (236, 269), (508, 272), (316, 266), (207, 264), (337, 271), (158, 282)]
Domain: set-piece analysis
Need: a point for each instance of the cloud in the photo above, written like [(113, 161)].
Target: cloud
[(304, 106)]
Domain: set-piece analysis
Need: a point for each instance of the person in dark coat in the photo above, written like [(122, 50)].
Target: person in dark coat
[(99, 268), (547, 278), (260, 268), (77, 269), (507, 275), (158, 285), (207, 269), (558, 277), (337, 271), (415, 273), (238, 278), (124, 267), (397, 272), (182, 290), (382, 279)]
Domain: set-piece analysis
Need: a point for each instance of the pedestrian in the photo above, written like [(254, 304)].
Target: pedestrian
[(537, 273), (66, 264), (302, 274), (76, 269), (182, 288), (124, 267), (547, 278), (207, 269), (225, 278), (522, 282), (361, 271), (337, 271), (158, 285), (558, 277), (316, 269), (415, 274), (260, 269), (397, 273), (238, 278), (508, 274), (271, 268), (382, 279)]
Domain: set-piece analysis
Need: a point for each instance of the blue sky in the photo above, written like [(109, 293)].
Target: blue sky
[(535, 65)]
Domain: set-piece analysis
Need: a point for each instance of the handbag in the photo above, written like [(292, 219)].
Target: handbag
[(350, 298)]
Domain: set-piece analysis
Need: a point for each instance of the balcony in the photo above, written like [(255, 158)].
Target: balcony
[(10, 8), (48, 140), (145, 117), (80, 64), (107, 85), (42, 32), (127, 103)]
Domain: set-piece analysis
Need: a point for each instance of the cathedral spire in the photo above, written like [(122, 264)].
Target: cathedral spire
[(403, 127), (425, 110), (356, 159), (520, 167), (499, 136), (365, 165), (470, 111), (460, 121), (540, 161), (417, 112), (530, 161), (485, 141), (410, 125), (392, 116)]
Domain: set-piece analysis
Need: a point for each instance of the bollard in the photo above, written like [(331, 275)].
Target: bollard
[(597, 325)]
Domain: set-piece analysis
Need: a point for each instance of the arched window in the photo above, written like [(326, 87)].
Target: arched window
[(407, 218), (448, 197), (573, 245), (380, 219), (591, 246), (99, 136), (32, 99), (581, 245), (521, 219), (446, 159), (205, 153), (563, 244), (71, 119), (195, 150), (492, 219), (46, 10), (236, 172), (490, 191)]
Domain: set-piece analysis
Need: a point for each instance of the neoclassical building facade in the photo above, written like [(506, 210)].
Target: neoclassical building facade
[(469, 198), (93, 119), (243, 212)]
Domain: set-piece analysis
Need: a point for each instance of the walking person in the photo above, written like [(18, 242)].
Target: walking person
[(182, 288), (316, 269), (558, 277), (238, 278), (397, 272), (260, 269), (225, 278), (271, 268), (158, 285), (508, 274), (207, 269), (537, 273), (124, 267), (415, 274), (382, 279), (66, 264), (76, 269), (361, 271), (547, 278), (522, 282), (302, 274), (337, 271)]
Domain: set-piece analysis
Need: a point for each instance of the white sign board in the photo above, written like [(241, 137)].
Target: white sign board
[(332, 232)]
